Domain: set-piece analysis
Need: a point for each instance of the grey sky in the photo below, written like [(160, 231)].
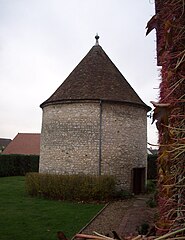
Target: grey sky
[(42, 41)]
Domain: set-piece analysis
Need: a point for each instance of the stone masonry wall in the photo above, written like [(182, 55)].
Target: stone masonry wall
[(70, 138), (124, 142)]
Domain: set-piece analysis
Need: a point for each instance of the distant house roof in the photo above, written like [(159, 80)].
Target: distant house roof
[(24, 143), (95, 78), (4, 142)]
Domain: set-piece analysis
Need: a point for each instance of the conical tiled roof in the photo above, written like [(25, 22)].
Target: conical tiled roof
[(95, 78)]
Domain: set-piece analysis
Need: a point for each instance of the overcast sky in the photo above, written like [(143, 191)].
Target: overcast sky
[(42, 41)]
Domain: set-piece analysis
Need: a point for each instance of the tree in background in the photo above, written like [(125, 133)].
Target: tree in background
[(169, 112)]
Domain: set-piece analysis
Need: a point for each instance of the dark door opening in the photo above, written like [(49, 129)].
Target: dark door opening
[(138, 180)]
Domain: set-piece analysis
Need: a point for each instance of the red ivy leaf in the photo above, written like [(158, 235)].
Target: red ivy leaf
[(152, 23), (161, 113)]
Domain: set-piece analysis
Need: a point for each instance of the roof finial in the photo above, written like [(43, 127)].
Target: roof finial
[(97, 37)]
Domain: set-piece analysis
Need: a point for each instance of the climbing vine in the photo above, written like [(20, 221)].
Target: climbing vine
[(169, 112)]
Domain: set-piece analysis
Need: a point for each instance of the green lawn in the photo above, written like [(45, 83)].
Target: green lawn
[(26, 218)]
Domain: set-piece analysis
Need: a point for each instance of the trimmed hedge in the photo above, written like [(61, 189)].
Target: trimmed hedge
[(70, 187), (152, 167), (18, 165)]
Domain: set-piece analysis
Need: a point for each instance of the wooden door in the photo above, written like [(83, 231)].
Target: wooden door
[(138, 180)]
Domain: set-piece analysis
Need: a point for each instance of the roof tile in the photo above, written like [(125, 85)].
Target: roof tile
[(24, 143), (95, 78)]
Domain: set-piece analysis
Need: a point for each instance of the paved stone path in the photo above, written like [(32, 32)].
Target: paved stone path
[(138, 214), (124, 217)]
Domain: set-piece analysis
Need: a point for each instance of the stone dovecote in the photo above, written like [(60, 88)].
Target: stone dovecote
[(95, 123)]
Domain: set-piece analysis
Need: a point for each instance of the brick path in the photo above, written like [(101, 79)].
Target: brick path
[(135, 216), (124, 217)]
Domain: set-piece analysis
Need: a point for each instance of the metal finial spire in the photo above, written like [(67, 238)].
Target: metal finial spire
[(97, 37)]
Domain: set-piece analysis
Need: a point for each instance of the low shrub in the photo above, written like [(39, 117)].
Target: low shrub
[(152, 189), (151, 186), (143, 228), (70, 187), (18, 165), (151, 202)]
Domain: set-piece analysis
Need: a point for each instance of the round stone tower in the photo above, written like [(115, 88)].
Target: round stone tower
[(95, 123)]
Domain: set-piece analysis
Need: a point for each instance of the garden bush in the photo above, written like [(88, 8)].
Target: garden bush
[(151, 186), (70, 187), (151, 202), (18, 165)]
